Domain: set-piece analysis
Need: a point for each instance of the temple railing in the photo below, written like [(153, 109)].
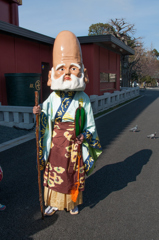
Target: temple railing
[(17, 116), (23, 117), (109, 100)]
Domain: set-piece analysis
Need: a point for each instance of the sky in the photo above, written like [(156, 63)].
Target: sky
[(49, 17)]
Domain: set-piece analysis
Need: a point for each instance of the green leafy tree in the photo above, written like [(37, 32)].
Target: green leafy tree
[(99, 29), (156, 53), (149, 81)]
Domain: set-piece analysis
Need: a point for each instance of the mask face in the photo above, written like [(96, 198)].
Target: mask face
[(74, 83), (68, 71), (67, 68)]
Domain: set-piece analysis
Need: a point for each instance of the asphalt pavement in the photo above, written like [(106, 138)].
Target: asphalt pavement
[(120, 197), (11, 133)]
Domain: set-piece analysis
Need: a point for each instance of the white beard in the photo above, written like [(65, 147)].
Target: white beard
[(75, 84)]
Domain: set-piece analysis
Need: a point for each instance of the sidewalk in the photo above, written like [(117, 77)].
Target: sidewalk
[(11, 137)]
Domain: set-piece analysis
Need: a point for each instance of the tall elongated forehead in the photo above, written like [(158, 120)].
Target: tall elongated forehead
[(66, 48)]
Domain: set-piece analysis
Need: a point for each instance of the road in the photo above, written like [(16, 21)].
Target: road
[(121, 198)]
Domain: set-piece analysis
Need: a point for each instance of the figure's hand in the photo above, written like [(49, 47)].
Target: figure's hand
[(37, 109), (80, 139)]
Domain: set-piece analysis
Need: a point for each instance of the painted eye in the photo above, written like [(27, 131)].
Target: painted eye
[(61, 69), (73, 68)]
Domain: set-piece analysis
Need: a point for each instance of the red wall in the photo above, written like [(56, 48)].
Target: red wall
[(109, 63), (98, 59), (87, 54), (5, 11), (20, 56), (9, 12)]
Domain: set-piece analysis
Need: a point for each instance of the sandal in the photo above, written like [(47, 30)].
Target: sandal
[(74, 211), (49, 211)]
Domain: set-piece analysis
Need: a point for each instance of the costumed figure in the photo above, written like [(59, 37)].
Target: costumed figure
[(69, 144)]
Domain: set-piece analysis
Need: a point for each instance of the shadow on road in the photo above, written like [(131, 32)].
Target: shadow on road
[(110, 127), (19, 192), (19, 189), (113, 177)]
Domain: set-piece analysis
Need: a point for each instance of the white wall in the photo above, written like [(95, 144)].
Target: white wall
[(23, 117)]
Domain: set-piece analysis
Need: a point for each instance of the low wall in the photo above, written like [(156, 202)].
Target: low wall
[(23, 117), (109, 100)]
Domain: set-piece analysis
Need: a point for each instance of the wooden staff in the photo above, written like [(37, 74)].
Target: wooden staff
[(37, 146)]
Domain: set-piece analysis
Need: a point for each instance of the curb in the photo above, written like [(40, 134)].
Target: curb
[(17, 141)]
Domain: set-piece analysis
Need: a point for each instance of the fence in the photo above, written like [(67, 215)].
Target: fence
[(23, 117), (108, 100)]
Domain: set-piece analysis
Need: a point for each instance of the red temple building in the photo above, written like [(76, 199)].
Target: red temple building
[(9, 11), (25, 51)]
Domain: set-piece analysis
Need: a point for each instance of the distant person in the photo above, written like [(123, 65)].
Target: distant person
[(144, 84), (135, 83), (2, 207)]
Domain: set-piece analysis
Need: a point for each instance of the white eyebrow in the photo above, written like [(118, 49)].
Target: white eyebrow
[(59, 65), (76, 64)]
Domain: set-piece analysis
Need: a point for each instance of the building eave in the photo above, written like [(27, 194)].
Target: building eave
[(107, 41), (25, 33)]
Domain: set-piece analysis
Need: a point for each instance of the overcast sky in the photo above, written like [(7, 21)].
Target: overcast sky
[(49, 17)]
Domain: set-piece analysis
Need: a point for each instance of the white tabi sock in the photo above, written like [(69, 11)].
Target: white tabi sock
[(50, 209)]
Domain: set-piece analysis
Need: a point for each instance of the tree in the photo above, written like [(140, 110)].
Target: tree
[(156, 53), (118, 28), (124, 32), (135, 61), (99, 29), (149, 70)]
